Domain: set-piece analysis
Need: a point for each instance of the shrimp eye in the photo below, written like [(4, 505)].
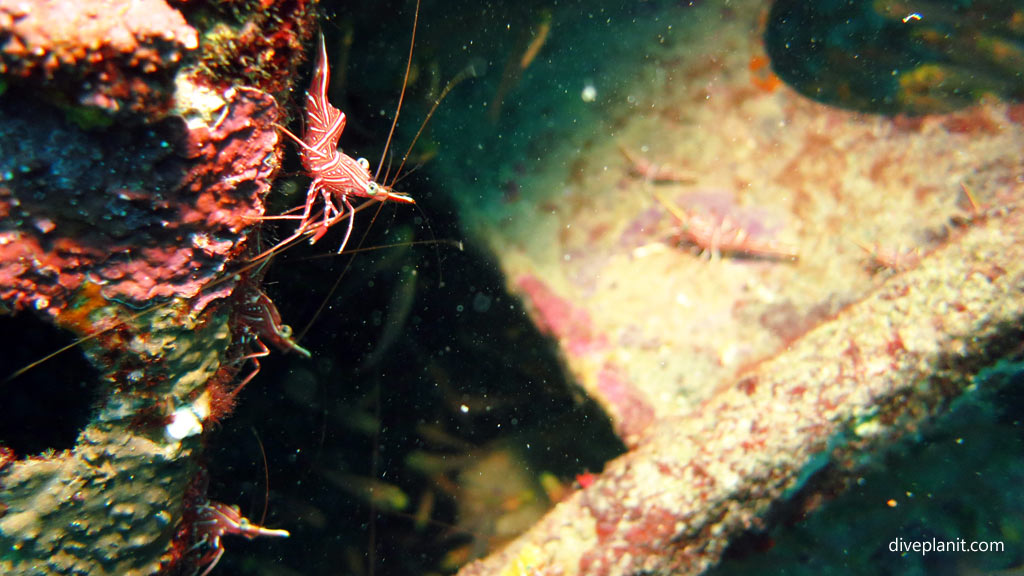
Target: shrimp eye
[(364, 163), (372, 188)]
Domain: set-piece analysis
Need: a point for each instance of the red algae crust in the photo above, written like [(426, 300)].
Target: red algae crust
[(171, 204), (118, 55)]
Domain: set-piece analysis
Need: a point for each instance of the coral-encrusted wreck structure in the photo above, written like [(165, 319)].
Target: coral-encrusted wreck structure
[(134, 162), (759, 288)]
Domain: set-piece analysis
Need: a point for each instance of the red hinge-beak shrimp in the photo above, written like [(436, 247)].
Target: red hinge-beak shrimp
[(215, 520), (715, 236), (648, 171), (336, 175)]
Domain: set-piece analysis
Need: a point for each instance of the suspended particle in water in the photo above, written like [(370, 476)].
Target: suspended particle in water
[(589, 93)]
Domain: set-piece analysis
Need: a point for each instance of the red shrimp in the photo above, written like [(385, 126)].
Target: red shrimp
[(215, 520), (336, 176), (648, 171), (716, 236)]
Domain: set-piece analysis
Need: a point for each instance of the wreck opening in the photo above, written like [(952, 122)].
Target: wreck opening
[(434, 417), (54, 399)]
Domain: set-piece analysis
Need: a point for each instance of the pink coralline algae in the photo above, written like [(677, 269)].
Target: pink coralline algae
[(118, 55), (572, 326), (559, 318)]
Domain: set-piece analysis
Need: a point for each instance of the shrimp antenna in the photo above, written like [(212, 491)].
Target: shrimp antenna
[(266, 476), (467, 72), (387, 173), (17, 373), (337, 281), (457, 244), (261, 259), (409, 172), (401, 95)]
